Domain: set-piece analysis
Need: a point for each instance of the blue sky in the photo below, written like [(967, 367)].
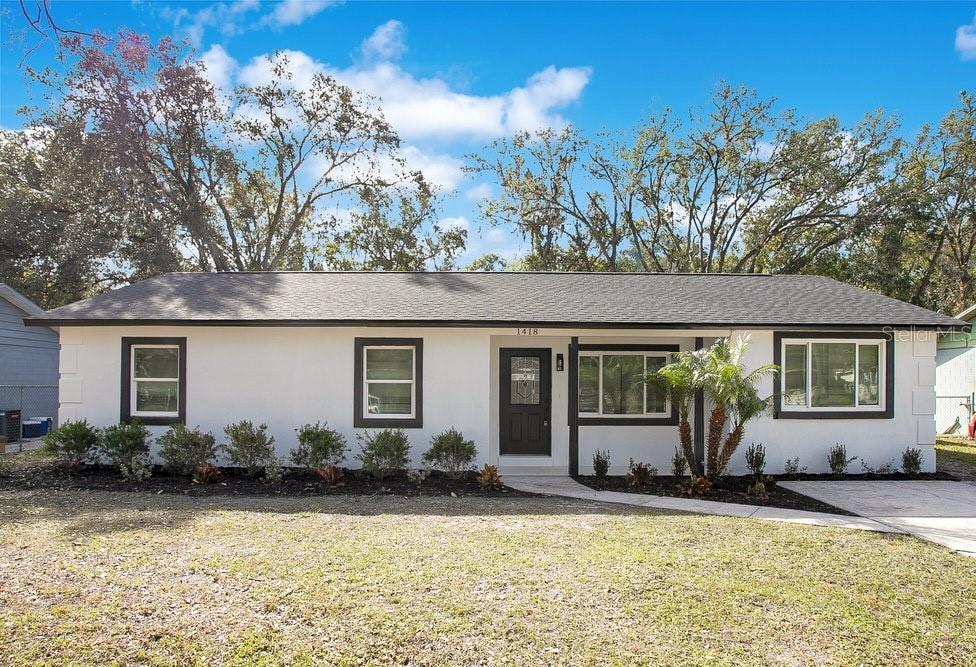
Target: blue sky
[(456, 75)]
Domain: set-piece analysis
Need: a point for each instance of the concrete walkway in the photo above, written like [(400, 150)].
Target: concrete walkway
[(941, 512), (570, 488)]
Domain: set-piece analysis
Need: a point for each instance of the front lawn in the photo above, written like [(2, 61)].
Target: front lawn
[(956, 455), (94, 577)]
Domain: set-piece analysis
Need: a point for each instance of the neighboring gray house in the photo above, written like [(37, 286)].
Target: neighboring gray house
[(28, 359), (955, 377)]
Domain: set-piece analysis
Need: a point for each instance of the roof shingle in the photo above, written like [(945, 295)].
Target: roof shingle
[(554, 299)]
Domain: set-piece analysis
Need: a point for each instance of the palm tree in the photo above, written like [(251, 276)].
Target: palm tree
[(681, 378)]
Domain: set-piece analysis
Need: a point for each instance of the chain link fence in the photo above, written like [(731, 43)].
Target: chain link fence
[(953, 413), (35, 401)]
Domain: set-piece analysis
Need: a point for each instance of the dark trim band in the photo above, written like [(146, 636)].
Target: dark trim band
[(887, 413), (358, 420), (125, 387), (573, 405), (616, 325), (671, 420)]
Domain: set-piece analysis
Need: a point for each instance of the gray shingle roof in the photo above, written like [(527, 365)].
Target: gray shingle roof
[(553, 299)]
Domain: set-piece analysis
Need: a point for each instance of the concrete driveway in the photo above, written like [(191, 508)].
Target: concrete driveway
[(941, 512)]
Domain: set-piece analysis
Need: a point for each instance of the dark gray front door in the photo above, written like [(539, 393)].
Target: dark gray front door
[(525, 396)]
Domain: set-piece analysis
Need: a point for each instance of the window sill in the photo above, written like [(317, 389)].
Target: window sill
[(627, 421), (833, 414), (388, 422)]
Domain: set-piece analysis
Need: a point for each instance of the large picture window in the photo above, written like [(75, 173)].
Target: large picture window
[(388, 382), (153, 380), (611, 385), (833, 376)]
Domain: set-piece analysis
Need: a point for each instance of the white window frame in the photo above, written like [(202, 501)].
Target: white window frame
[(133, 398), (880, 406), (628, 353), (412, 382)]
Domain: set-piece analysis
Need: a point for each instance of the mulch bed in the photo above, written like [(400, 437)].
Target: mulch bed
[(726, 490), (46, 474)]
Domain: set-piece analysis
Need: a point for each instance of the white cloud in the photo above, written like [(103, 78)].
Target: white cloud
[(221, 67), (442, 170), (386, 43), (966, 40), (456, 222), (479, 192), (294, 12)]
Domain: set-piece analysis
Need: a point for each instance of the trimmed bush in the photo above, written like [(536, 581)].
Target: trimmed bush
[(318, 447), (911, 461), (679, 465), (756, 459), (601, 464), (837, 459), (792, 467), (249, 446), (126, 446), (73, 443), (384, 453), (185, 450), (450, 452)]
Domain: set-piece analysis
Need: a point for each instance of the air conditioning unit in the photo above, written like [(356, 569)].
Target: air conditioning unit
[(10, 425)]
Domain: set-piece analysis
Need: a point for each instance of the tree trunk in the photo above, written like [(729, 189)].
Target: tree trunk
[(732, 443), (687, 446), (716, 428)]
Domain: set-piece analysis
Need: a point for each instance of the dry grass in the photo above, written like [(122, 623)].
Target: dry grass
[(102, 578), (956, 455)]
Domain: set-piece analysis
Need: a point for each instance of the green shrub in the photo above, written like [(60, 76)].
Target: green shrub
[(73, 443), (249, 446), (384, 453), (679, 465), (184, 450), (756, 459), (319, 447), (640, 475), (792, 467), (125, 446), (274, 472), (837, 459), (6, 464), (911, 461), (601, 464), (450, 452)]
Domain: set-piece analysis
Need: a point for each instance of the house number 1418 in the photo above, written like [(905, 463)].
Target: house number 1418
[(527, 331)]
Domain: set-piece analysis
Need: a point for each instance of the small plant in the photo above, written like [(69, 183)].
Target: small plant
[(126, 447), (837, 459), (679, 465), (758, 489), (6, 464), (206, 474), (698, 485), (274, 472), (756, 460), (450, 452), (249, 446), (911, 461), (639, 475), (883, 469), (490, 479), (185, 450), (601, 464), (418, 475), (384, 453), (318, 447), (331, 474), (792, 467), (73, 443)]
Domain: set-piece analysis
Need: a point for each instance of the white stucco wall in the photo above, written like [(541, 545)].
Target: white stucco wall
[(955, 377), (282, 376), (288, 376)]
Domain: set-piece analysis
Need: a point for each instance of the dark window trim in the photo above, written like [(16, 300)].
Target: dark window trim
[(671, 420), (573, 405), (358, 420), (125, 409), (889, 409)]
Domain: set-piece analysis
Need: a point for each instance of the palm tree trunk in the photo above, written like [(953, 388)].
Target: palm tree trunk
[(732, 443), (687, 446), (716, 428)]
